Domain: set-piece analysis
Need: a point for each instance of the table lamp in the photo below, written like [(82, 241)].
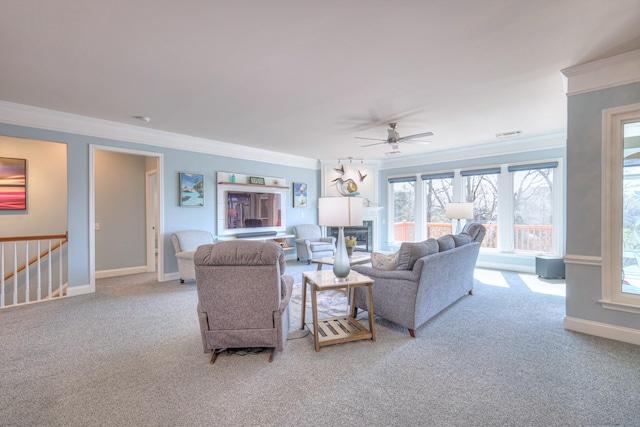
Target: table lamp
[(459, 211), (340, 212)]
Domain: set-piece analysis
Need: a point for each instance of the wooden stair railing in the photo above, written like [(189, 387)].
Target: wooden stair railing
[(62, 238), (42, 254)]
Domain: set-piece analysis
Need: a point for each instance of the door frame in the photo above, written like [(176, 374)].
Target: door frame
[(92, 207)]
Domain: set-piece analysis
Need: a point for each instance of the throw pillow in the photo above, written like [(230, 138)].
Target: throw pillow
[(384, 261), (410, 252), (461, 239), (446, 242)]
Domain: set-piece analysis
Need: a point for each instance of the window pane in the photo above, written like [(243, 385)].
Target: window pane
[(533, 210), (482, 190), (404, 208), (631, 210), (438, 192)]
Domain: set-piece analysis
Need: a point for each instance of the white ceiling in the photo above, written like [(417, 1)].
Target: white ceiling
[(307, 77)]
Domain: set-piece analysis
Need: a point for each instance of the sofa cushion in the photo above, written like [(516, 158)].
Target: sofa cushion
[(321, 246), (382, 261), (461, 239), (410, 252), (446, 242)]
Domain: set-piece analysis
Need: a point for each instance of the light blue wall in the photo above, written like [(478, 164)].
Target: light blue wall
[(517, 262), (584, 196), (175, 217)]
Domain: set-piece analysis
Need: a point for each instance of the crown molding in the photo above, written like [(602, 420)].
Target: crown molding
[(513, 146), (604, 73), (41, 118)]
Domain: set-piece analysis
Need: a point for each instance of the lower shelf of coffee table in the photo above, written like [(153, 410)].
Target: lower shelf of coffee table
[(334, 330)]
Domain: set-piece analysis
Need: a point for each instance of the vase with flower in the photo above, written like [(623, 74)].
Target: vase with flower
[(350, 243)]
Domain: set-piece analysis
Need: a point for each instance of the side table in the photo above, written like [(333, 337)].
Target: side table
[(338, 329)]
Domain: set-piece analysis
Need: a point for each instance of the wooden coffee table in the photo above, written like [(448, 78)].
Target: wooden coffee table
[(356, 259), (334, 330)]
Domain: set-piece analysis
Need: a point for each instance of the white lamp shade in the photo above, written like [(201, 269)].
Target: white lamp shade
[(340, 211), (459, 210)]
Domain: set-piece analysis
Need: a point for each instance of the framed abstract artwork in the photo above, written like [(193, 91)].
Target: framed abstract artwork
[(13, 184), (191, 189), (299, 195)]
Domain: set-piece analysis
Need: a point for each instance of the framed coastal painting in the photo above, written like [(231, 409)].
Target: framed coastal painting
[(13, 184), (191, 189), (299, 195)]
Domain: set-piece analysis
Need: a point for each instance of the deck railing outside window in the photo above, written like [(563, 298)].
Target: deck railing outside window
[(533, 238)]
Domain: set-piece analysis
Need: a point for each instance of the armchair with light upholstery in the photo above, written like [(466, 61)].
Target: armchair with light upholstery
[(243, 295), (310, 244), (185, 244)]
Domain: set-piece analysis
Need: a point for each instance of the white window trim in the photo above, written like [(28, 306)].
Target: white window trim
[(613, 120)]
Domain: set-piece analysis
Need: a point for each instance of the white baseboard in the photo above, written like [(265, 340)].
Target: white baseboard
[(74, 291), (120, 272), (604, 330)]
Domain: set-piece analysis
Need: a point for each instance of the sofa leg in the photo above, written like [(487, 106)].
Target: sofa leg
[(271, 355), (181, 280), (214, 355), (471, 292), (412, 333)]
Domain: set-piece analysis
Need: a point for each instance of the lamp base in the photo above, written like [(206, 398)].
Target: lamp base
[(341, 280), (341, 263)]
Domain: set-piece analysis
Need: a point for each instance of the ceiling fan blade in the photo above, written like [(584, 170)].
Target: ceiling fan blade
[(372, 139), (416, 136), (377, 143)]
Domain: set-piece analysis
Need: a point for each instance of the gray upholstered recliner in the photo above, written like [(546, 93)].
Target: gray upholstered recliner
[(185, 244), (243, 295), (310, 244)]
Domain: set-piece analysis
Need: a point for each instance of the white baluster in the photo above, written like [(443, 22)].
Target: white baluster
[(26, 271), (15, 274), (60, 267), (2, 274), (50, 287), (39, 273)]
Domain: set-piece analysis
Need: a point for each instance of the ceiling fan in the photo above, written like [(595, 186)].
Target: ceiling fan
[(394, 138)]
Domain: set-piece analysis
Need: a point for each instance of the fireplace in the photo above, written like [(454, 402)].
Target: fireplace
[(364, 235)]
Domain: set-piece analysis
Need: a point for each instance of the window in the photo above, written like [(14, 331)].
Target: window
[(533, 207), (438, 191), (620, 213), (630, 283), (481, 188), (403, 201)]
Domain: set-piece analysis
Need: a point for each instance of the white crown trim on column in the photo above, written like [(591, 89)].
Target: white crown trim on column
[(608, 72), (41, 118)]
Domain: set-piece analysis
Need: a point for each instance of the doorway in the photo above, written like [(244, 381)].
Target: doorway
[(126, 207)]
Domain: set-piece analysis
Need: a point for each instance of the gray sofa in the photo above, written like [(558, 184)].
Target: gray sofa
[(428, 277), (243, 295)]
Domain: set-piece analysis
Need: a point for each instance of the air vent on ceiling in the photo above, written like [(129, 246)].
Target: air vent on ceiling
[(391, 153), (509, 134)]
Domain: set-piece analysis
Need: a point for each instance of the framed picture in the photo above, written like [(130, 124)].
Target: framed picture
[(299, 195), (191, 189), (13, 184), (256, 180)]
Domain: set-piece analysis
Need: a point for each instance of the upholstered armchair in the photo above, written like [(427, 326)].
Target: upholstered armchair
[(310, 244), (243, 295), (185, 244)]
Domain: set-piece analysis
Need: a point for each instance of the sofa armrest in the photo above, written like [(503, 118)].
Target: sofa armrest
[(331, 240), (186, 255), (377, 274), (286, 283)]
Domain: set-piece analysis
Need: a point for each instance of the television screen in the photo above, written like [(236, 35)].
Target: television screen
[(248, 209)]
